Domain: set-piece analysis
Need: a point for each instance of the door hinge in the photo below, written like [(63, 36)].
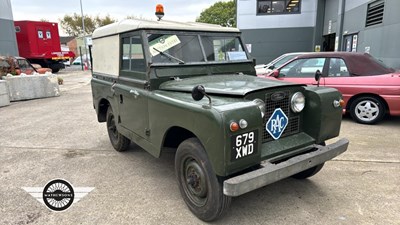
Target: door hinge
[(147, 132), (147, 86)]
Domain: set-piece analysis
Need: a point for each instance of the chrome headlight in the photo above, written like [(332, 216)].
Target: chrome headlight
[(261, 105), (297, 102)]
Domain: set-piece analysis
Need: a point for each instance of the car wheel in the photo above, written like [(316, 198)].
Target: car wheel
[(309, 172), (118, 141), (55, 70), (200, 188), (367, 110)]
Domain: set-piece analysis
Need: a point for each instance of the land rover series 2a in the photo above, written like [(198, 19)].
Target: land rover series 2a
[(193, 87)]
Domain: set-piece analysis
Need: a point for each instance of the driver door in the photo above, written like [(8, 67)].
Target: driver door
[(131, 87)]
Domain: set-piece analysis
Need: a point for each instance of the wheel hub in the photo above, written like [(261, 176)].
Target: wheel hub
[(367, 110), (195, 180)]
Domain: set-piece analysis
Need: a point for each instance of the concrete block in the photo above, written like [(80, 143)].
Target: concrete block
[(4, 96), (32, 86)]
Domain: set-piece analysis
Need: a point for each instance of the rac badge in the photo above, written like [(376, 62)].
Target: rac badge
[(277, 123)]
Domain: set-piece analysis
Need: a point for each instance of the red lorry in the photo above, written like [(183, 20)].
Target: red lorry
[(39, 42)]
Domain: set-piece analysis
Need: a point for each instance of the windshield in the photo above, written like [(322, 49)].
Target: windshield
[(283, 60), (182, 49)]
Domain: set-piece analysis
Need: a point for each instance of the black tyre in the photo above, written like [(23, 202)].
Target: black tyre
[(118, 141), (367, 110), (201, 189), (55, 70), (308, 173)]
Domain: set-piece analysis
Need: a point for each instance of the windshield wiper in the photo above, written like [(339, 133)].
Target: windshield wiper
[(170, 56)]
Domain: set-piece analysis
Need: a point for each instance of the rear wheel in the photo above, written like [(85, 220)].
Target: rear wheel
[(367, 110), (200, 188), (118, 141)]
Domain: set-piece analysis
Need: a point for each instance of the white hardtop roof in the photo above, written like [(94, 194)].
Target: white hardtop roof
[(135, 24)]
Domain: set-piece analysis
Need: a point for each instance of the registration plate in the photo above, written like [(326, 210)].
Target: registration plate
[(244, 145)]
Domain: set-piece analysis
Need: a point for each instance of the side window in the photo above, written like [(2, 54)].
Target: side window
[(132, 58), (40, 34), (223, 48), (337, 68), (48, 34), (303, 67), (23, 64)]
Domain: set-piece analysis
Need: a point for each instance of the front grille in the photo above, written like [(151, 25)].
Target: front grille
[(293, 126)]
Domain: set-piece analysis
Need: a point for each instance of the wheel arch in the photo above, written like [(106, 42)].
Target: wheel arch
[(174, 136), (102, 110), (354, 97)]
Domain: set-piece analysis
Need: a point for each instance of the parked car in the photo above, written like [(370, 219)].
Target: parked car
[(67, 63), (78, 60), (370, 88), (263, 69), (16, 65)]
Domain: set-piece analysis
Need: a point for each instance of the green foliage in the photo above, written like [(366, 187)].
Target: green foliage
[(221, 13), (72, 25)]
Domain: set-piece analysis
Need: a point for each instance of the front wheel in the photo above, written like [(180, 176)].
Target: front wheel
[(200, 188), (367, 110), (309, 172), (118, 141), (55, 70)]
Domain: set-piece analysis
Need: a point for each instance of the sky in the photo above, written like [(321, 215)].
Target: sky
[(54, 10)]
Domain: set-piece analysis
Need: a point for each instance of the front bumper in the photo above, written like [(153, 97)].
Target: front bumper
[(270, 173)]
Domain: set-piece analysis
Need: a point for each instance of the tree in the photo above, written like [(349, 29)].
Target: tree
[(72, 25), (221, 13)]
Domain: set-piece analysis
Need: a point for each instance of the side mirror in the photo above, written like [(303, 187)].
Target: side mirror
[(198, 92), (275, 73), (318, 76)]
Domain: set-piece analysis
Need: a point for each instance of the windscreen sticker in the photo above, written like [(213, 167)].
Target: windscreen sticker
[(163, 43), (237, 56)]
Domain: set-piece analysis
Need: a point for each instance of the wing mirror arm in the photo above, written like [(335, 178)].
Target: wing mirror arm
[(318, 77), (275, 73)]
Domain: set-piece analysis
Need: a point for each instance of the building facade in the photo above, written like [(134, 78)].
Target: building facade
[(273, 27), (8, 41)]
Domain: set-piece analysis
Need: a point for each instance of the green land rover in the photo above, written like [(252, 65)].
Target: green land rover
[(192, 87)]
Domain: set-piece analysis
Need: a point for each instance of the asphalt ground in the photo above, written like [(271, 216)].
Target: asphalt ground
[(59, 137)]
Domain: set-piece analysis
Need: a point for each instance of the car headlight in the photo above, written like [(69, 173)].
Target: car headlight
[(297, 102), (261, 105)]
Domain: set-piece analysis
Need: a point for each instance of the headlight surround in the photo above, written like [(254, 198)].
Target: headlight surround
[(261, 105), (298, 102)]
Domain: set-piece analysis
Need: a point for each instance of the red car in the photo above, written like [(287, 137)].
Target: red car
[(370, 89)]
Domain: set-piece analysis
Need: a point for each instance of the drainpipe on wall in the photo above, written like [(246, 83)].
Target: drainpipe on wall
[(319, 24), (339, 34)]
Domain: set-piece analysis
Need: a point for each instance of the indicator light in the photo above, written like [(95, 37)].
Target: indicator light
[(234, 126)]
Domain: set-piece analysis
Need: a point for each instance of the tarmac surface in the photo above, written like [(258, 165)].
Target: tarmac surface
[(60, 137)]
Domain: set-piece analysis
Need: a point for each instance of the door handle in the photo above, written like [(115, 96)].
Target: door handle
[(112, 88), (134, 93)]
